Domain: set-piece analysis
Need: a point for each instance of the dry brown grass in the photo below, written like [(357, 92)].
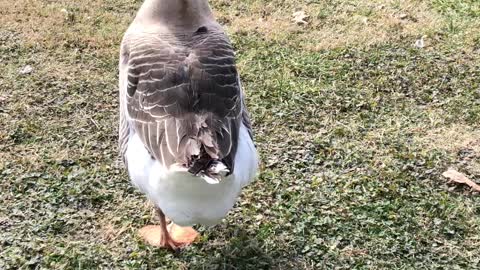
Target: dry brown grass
[(358, 23), (452, 138), (457, 140), (51, 24)]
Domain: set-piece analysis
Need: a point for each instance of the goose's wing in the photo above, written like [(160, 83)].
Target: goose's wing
[(182, 97)]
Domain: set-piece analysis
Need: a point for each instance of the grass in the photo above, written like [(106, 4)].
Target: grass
[(354, 125)]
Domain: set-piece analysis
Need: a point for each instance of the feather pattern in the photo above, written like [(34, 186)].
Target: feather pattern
[(182, 96)]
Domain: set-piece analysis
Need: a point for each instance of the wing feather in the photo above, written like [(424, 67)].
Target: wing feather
[(182, 94)]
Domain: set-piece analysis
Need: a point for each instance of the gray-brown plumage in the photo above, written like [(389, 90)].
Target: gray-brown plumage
[(183, 94)]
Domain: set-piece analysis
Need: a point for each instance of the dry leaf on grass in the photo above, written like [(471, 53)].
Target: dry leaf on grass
[(300, 17), (458, 177)]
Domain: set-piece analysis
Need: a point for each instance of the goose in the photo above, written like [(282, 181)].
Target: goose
[(185, 135)]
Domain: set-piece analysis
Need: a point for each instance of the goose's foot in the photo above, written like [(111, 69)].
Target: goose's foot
[(154, 235), (171, 237), (182, 235)]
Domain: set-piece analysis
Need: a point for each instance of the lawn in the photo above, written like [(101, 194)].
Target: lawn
[(355, 125)]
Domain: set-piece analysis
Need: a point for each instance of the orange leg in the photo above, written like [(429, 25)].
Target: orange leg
[(165, 238)]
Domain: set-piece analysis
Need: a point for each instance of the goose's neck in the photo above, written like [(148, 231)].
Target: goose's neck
[(175, 13)]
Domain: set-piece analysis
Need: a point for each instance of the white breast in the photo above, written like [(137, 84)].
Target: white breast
[(188, 199)]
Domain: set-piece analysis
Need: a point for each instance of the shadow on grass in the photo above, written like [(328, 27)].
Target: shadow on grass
[(244, 251)]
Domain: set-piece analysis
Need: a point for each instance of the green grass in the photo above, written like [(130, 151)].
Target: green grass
[(353, 123)]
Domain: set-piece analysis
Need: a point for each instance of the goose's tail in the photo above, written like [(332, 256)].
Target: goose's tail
[(211, 170)]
